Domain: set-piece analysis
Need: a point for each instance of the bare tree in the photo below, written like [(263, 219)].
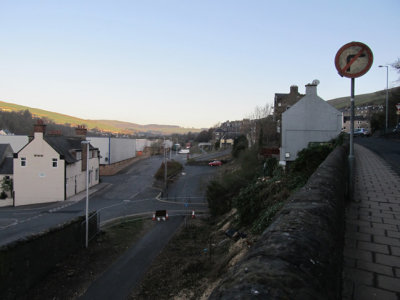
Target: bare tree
[(396, 65), (261, 112)]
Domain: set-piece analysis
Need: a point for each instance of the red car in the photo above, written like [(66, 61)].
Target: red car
[(215, 163)]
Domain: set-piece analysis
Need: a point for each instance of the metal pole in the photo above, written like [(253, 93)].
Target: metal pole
[(87, 195), (351, 154), (165, 168), (387, 98)]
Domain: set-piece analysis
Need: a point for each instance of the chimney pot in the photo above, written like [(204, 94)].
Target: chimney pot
[(81, 131), (39, 126)]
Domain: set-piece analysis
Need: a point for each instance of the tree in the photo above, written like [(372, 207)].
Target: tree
[(261, 112), (240, 144), (204, 136), (396, 66)]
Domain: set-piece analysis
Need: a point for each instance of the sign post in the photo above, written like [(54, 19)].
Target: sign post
[(353, 60)]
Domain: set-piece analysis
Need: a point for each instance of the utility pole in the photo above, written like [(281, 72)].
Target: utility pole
[(87, 192), (387, 97), (165, 168)]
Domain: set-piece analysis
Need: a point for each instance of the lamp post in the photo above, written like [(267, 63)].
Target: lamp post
[(387, 95), (87, 192), (165, 169)]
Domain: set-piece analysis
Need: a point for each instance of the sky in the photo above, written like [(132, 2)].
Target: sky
[(187, 63)]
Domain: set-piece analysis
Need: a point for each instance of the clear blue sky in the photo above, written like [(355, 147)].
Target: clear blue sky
[(187, 63)]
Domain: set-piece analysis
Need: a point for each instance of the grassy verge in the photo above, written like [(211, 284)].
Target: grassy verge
[(193, 262)]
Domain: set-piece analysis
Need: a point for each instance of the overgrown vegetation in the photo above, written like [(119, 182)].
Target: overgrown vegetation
[(6, 187), (173, 168), (258, 188)]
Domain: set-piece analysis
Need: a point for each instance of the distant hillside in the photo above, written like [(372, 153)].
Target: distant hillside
[(101, 125), (376, 98)]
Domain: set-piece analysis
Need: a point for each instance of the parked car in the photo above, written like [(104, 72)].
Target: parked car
[(215, 163), (361, 132)]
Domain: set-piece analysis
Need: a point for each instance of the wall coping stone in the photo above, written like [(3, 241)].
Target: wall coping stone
[(299, 256)]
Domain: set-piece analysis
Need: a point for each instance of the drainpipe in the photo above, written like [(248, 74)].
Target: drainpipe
[(65, 180), (109, 149)]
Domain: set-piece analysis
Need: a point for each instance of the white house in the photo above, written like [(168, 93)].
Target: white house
[(311, 119), (53, 168), (6, 175)]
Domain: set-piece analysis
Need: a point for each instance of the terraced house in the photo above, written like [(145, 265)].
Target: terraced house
[(53, 167)]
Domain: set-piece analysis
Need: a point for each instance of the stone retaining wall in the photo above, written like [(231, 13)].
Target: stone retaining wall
[(109, 170), (300, 255)]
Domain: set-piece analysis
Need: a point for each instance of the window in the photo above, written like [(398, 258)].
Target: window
[(55, 162), (97, 175), (23, 161), (78, 155)]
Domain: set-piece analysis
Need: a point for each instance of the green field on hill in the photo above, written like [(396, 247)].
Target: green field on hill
[(101, 125)]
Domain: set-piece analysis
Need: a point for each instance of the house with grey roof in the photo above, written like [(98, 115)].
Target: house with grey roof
[(6, 175), (53, 168), (310, 120)]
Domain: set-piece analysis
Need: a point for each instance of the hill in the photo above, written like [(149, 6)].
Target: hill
[(376, 98), (111, 126)]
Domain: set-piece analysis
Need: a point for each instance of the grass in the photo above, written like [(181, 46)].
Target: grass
[(376, 98), (102, 125)]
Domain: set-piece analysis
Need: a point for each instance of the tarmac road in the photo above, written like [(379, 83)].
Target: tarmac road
[(120, 279), (130, 192)]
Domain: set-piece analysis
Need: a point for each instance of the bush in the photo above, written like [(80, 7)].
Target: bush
[(3, 195), (309, 159), (240, 144), (266, 218), (219, 202), (173, 168)]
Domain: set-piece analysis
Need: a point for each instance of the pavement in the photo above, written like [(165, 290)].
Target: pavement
[(371, 266)]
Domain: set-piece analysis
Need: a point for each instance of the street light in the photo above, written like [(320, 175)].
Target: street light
[(387, 95), (87, 192)]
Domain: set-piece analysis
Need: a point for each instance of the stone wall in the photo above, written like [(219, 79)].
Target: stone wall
[(109, 170), (25, 262), (300, 255)]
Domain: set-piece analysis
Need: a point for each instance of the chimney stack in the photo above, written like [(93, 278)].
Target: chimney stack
[(294, 89), (39, 126), (311, 88), (81, 131)]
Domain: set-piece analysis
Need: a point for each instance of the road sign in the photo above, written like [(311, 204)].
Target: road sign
[(353, 60)]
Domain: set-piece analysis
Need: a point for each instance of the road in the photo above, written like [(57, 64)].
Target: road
[(387, 149), (119, 280), (130, 192)]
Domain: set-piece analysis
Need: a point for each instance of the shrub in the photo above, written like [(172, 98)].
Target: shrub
[(219, 202), (309, 159), (240, 144), (173, 168), (266, 218)]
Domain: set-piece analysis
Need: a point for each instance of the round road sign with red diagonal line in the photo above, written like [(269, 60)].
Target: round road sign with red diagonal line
[(353, 60)]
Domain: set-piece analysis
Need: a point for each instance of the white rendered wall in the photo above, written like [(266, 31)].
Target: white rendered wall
[(76, 178), (113, 150), (38, 181), (122, 149)]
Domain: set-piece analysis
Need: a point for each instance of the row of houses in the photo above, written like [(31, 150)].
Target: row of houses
[(51, 167), (297, 120)]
